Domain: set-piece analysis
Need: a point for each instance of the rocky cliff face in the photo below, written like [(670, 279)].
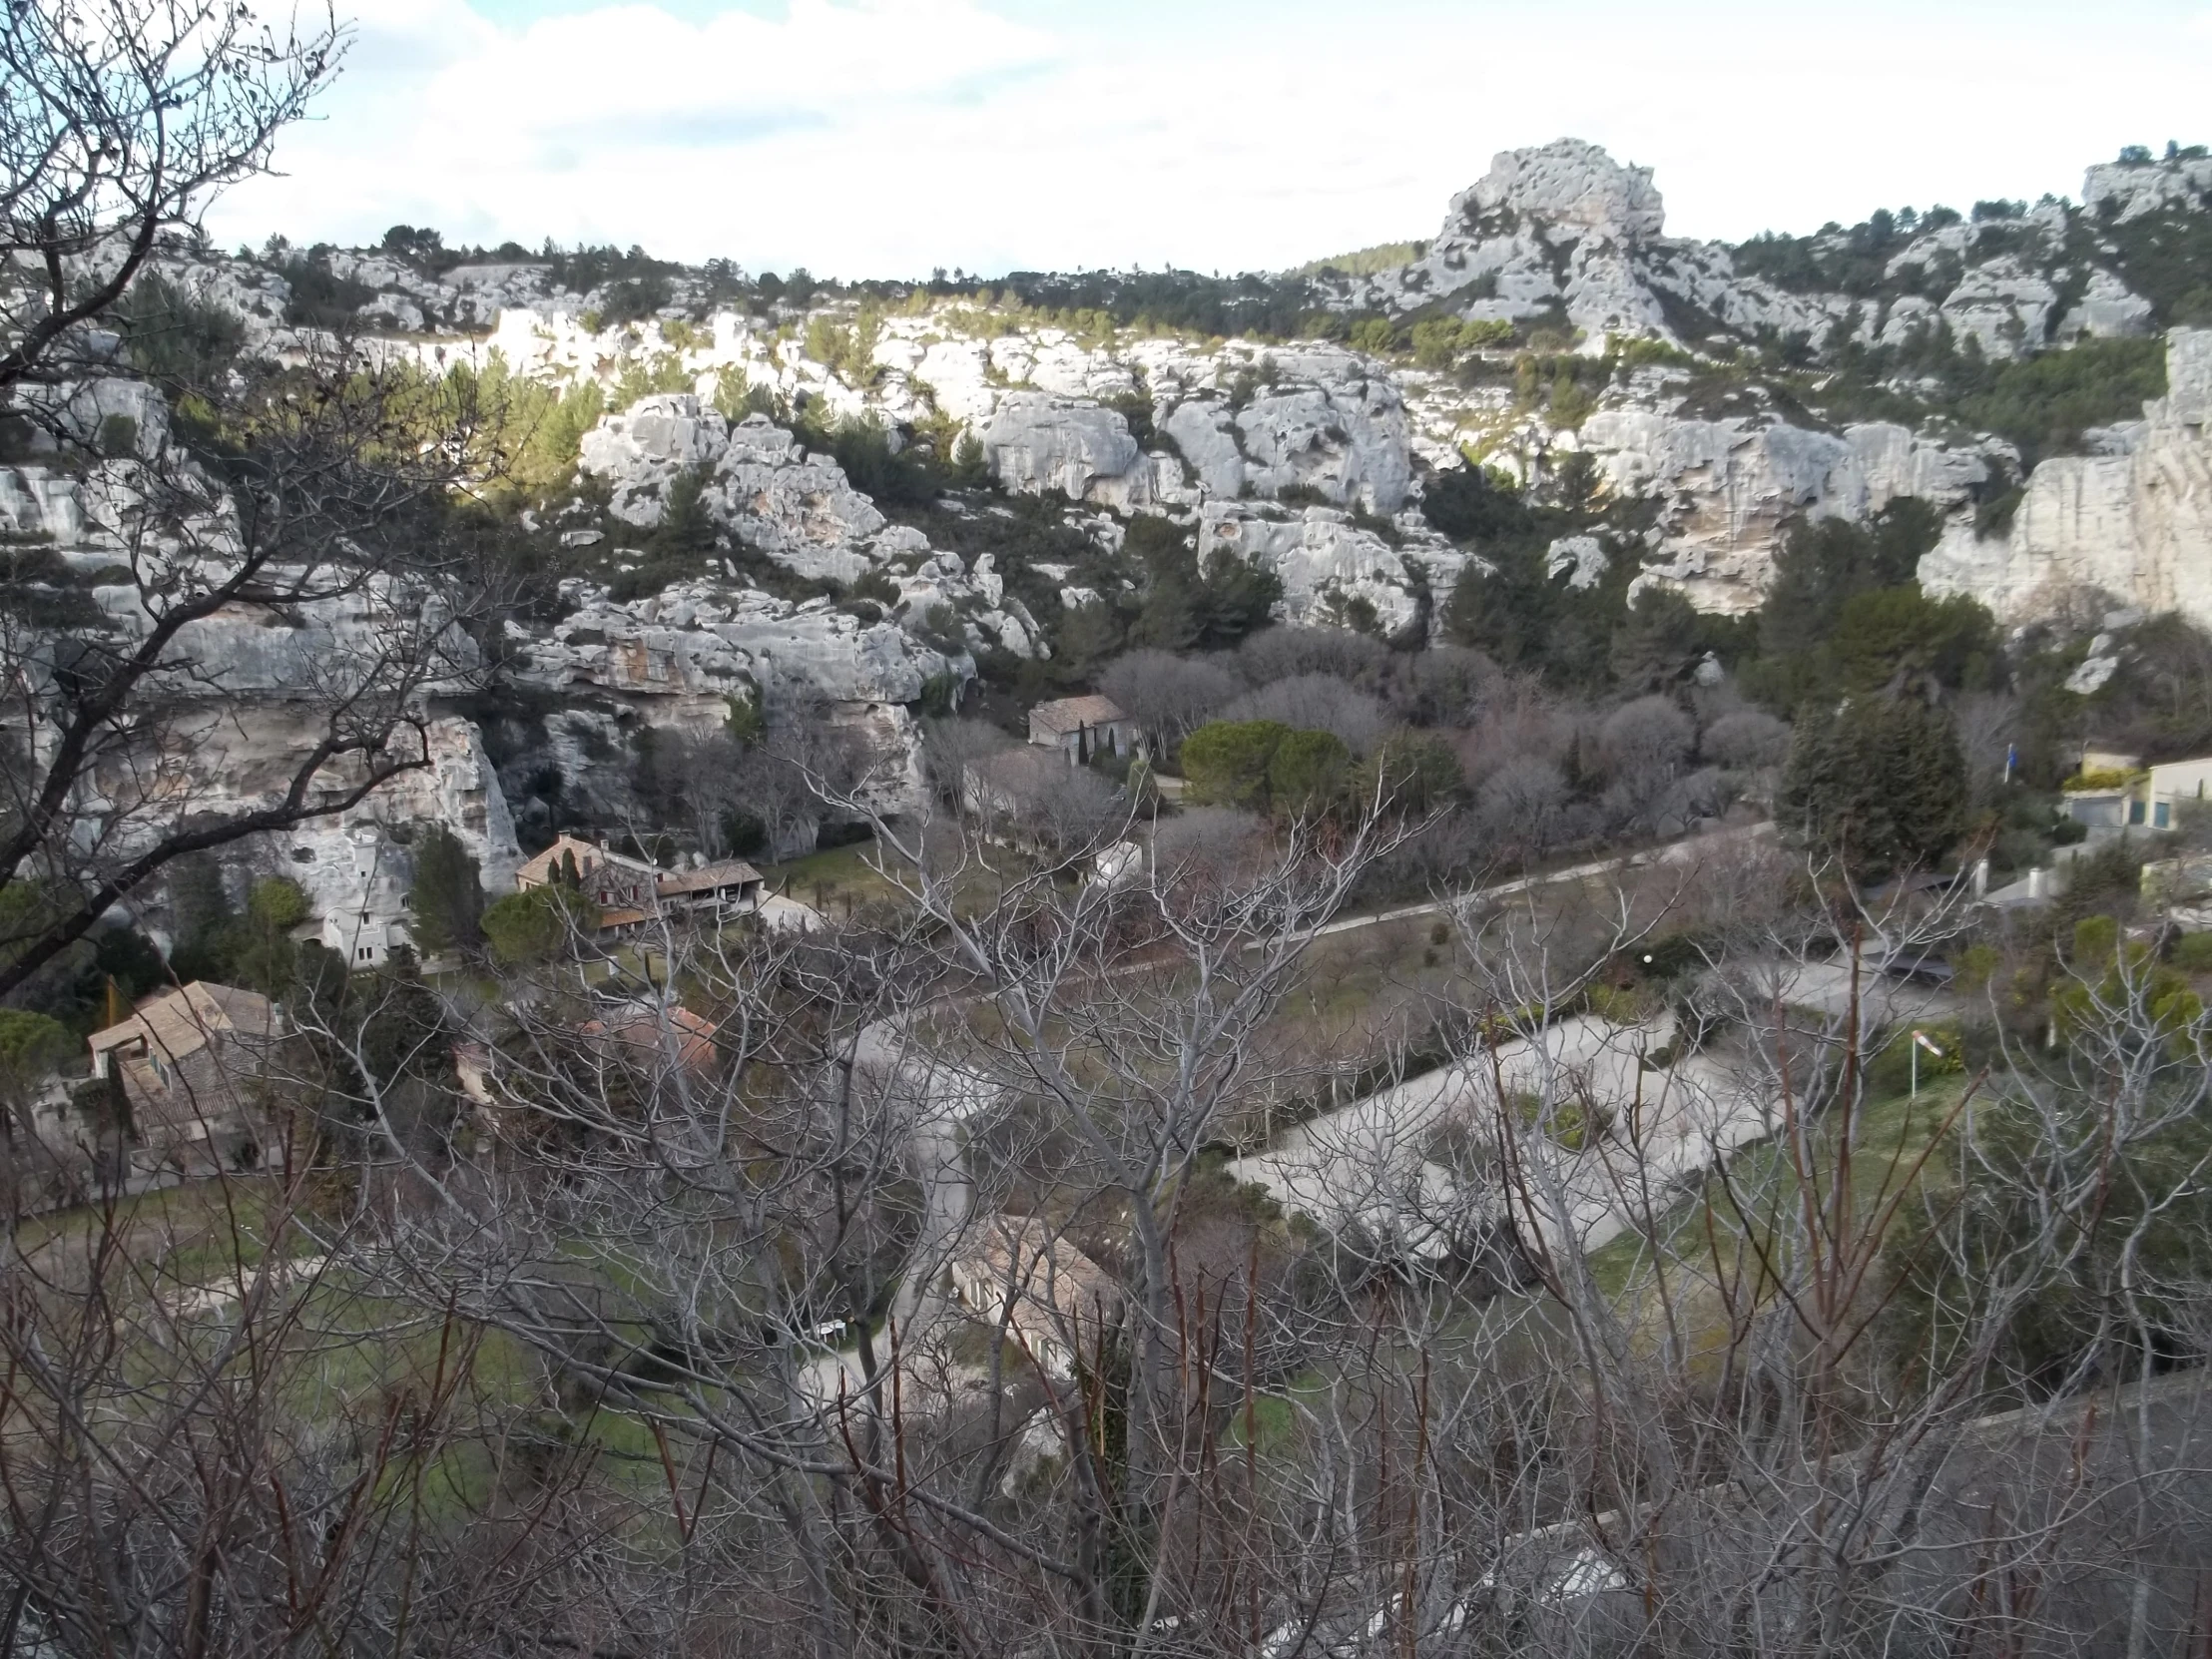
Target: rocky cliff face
[(1306, 456), (2134, 523), (1728, 488), (1563, 230)]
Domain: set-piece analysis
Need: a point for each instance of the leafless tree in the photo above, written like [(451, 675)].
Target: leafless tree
[(1642, 746), (181, 1471), (285, 587), (1169, 696), (120, 120), (936, 1293), (1523, 805), (1277, 653), (1317, 703), (1746, 739)]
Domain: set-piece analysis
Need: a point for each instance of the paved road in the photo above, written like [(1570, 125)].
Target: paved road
[(944, 1097), (1684, 851)]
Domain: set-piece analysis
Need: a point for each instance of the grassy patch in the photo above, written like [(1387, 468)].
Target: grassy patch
[(1707, 1231)]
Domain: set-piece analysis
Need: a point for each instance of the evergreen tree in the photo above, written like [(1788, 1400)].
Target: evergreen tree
[(1658, 643), (1878, 784), (447, 904), (201, 922), (264, 955), (1226, 762), (1305, 772)]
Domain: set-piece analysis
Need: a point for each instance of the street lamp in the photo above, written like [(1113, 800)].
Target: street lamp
[(1921, 1040)]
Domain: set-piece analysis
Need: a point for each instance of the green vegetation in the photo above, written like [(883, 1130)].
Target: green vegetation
[(1366, 262), (446, 907), (320, 298), (1878, 784), (537, 924), (2167, 259), (214, 941), (31, 1045), (175, 339), (847, 349), (2042, 403), (1229, 762), (1844, 615)]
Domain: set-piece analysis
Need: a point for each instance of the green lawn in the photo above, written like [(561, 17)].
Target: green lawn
[(831, 881), (1890, 1153)]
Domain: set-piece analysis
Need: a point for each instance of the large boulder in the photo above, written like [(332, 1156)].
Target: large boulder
[(1036, 442), (1335, 573)]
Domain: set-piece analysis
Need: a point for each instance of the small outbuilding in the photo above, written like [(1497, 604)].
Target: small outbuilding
[(1082, 728)]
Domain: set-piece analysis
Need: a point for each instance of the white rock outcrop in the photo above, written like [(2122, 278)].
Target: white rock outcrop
[(2002, 306), (2129, 189), (1332, 568), (2136, 524), (1037, 441), (1728, 488), (799, 509), (2107, 310), (1556, 225)]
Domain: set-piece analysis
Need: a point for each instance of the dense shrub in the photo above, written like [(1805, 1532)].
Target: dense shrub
[(536, 925), (1225, 762)]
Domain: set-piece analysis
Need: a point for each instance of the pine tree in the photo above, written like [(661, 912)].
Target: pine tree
[(1880, 783)]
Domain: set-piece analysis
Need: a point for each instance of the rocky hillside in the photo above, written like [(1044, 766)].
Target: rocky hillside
[(1926, 354), (749, 495)]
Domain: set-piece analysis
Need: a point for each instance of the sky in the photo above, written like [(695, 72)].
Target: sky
[(888, 138)]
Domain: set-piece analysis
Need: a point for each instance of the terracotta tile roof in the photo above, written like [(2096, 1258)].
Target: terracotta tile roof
[(537, 871), (1067, 714), (183, 1061), (641, 1028)]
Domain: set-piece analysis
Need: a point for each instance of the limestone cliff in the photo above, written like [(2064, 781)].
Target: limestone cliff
[(1563, 230), (2134, 523)]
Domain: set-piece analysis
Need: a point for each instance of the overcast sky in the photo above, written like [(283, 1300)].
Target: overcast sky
[(885, 136)]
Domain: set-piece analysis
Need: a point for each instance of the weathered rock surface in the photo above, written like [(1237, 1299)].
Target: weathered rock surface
[(2002, 306), (1331, 568), (1728, 488), (798, 508), (1563, 229), (2107, 310), (2129, 189), (2136, 524), (1036, 442)]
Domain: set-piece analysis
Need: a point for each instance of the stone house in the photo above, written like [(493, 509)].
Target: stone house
[(1082, 728), (190, 1070), (1053, 1299), (632, 892)]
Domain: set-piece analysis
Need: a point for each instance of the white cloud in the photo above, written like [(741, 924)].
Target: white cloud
[(888, 136)]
